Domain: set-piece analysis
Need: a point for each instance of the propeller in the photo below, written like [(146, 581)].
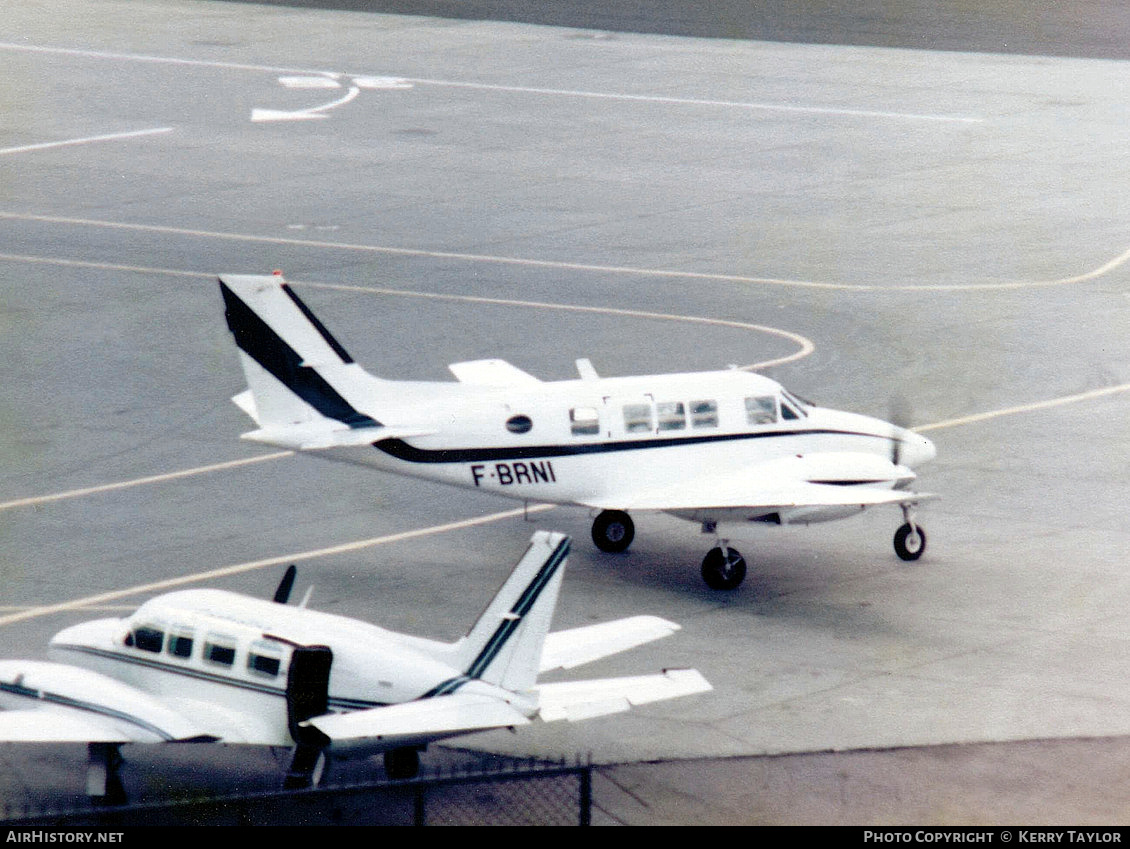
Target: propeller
[(282, 594), (900, 416)]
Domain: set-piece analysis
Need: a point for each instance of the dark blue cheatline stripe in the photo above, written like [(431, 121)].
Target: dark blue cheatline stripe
[(45, 697), (508, 626), (401, 450), (209, 677), (256, 339)]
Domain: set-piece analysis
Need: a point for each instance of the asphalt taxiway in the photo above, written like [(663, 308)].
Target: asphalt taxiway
[(942, 232)]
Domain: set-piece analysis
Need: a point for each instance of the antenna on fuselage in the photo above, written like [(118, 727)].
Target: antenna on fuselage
[(282, 594)]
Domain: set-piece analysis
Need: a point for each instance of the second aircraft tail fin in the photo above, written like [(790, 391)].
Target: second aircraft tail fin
[(504, 647)]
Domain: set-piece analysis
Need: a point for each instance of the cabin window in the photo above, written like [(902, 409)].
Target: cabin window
[(180, 643), (761, 410), (219, 650), (584, 421), (672, 415), (264, 659), (147, 638), (788, 412), (637, 418), (519, 424), (704, 413)]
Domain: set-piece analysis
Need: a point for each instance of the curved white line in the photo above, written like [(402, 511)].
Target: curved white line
[(804, 345), (669, 274)]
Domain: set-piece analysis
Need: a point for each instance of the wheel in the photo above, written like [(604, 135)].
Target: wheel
[(723, 568), (402, 763), (613, 531), (910, 541)]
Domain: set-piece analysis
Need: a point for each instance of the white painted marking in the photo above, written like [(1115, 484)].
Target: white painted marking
[(1027, 408), (260, 115), (253, 565), (382, 83), (309, 82), (804, 346), (835, 111), (133, 134), (169, 476), (1104, 269), (780, 107)]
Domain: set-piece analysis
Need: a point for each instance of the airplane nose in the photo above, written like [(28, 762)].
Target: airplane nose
[(915, 449)]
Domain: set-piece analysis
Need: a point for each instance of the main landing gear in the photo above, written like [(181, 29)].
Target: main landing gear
[(613, 531), (402, 763)]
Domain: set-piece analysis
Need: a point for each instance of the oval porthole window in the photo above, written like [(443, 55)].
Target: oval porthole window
[(519, 424)]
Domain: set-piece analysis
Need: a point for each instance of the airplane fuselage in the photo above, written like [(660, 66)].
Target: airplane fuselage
[(594, 442), (225, 659)]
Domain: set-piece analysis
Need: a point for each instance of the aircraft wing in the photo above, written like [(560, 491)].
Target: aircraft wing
[(423, 719), (54, 703), (576, 700), (843, 480), (577, 646)]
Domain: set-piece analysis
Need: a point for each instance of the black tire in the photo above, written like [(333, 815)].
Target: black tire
[(613, 531), (910, 542), (402, 763), (723, 569)]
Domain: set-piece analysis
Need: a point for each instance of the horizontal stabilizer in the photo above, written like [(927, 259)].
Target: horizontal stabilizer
[(316, 436), (449, 715), (491, 373), (577, 646), (576, 700)]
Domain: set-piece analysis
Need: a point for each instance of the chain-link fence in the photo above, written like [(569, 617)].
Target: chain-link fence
[(529, 795)]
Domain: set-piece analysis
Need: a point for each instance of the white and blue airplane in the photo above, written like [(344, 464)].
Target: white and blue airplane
[(712, 447), (206, 665)]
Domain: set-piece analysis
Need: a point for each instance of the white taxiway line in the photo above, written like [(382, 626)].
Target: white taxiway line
[(546, 92), (252, 565), (168, 476), (133, 134), (1063, 401), (659, 273)]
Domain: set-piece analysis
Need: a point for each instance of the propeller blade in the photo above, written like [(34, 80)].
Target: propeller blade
[(282, 594), (900, 416)]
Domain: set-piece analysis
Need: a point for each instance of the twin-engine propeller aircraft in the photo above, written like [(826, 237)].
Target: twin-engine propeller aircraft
[(213, 666), (711, 447)]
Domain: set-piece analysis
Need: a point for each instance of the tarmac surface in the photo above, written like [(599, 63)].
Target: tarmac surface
[(933, 229)]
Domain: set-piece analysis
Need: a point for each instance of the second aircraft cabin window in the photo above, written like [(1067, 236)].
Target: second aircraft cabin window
[(180, 642), (219, 650), (264, 659), (146, 637)]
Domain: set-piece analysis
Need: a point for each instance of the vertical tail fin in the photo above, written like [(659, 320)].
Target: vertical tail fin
[(504, 646), (286, 355)]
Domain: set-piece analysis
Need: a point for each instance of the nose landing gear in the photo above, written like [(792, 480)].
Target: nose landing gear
[(910, 539)]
